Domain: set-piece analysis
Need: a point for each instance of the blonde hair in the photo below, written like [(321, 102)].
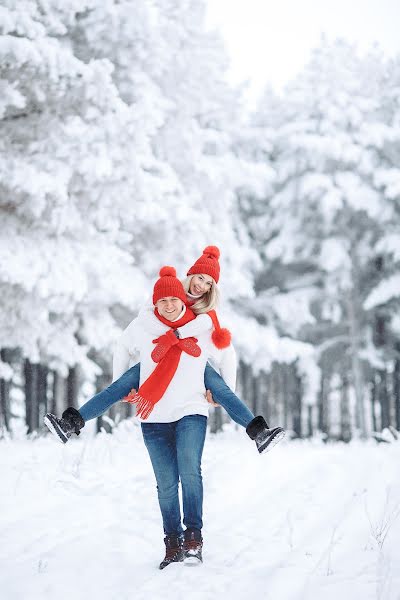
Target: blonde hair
[(208, 301)]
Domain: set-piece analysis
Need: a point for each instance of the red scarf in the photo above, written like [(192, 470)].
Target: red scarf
[(166, 354)]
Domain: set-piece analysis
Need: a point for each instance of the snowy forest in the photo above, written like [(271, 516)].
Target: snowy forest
[(124, 148)]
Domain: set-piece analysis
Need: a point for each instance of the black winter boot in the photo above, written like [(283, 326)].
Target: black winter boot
[(264, 438), (71, 422), (192, 547), (173, 550)]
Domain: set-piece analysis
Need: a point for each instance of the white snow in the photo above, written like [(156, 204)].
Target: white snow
[(306, 521)]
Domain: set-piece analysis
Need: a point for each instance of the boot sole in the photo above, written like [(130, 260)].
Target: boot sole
[(178, 559), (277, 438), (55, 430), (192, 561), (173, 562)]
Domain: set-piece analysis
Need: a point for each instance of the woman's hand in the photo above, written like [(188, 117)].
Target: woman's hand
[(209, 399)]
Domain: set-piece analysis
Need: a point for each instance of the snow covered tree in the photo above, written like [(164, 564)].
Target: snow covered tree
[(171, 72), (63, 170), (327, 210), (116, 156)]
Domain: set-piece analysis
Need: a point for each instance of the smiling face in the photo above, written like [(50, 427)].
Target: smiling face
[(200, 284), (170, 307)]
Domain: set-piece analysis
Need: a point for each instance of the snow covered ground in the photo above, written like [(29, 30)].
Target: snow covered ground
[(307, 521)]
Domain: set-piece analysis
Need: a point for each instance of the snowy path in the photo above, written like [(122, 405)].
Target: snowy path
[(297, 524)]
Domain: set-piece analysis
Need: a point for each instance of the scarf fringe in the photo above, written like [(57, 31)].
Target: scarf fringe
[(144, 407)]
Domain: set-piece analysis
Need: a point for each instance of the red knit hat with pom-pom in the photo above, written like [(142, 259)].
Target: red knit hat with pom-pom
[(168, 285), (207, 263)]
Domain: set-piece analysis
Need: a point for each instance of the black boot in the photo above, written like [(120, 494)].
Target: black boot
[(173, 550), (264, 438), (71, 422), (192, 547)]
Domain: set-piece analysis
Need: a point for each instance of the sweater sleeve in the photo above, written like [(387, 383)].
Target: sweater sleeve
[(125, 350), (228, 366), (201, 324), (225, 362), (146, 309)]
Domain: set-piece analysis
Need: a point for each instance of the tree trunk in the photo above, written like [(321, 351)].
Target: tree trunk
[(288, 399), (384, 400), (255, 392), (278, 409), (4, 404), (323, 406), (356, 363), (310, 428), (345, 421), (373, 396), (58, 388), (272, 399), (296, 403), (27, 391), (72, 387), (216, 420), (252, 389), (4, 398), (31, 396), (396, 392), (263, 406), (42, 391), (245, 384)]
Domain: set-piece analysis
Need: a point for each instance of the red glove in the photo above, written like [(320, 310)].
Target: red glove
[(164, 343)]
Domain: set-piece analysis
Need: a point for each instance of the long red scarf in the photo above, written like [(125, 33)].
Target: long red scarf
[(166, 354)]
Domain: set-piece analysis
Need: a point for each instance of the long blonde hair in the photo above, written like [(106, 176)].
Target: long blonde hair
[(208, 301)]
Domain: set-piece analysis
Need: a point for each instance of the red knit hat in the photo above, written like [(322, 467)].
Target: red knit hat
[(168, 285), (207, 263)]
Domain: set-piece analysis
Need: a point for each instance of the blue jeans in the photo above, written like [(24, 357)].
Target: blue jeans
[(98, 404), (221, 392), (175, 451), (223, 395)]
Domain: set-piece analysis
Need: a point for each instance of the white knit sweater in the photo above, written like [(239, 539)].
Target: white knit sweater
[(186, 393)]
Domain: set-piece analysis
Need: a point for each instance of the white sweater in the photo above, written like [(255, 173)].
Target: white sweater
[(186, 392)]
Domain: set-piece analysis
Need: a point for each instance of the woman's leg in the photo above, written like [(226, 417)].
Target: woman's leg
[(102, 401), (223, 395), (190, 437), (72, 420), (160, 442)]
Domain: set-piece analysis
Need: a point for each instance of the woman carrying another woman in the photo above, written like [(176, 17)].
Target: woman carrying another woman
[(202, 296)]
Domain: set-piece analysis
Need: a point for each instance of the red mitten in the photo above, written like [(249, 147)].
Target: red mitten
[(164, 343), (189, 346)]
